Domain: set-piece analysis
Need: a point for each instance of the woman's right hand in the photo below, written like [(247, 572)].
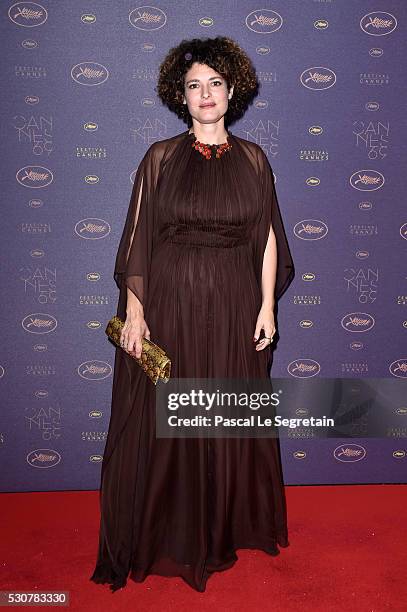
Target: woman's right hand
[(134, 329)]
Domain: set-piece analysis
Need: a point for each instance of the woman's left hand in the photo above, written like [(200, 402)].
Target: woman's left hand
[(265, 321)]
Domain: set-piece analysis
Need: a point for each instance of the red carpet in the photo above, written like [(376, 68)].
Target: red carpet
[(347, 552)]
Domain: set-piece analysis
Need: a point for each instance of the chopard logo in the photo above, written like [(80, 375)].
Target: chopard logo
[(90, 126), (31, 100), (263, 50), (299, 454), (313, 181), (206, 22), (376, 52), (94, 324), (372, 106), (88, 18), (315, 130), (96, 458), (29, 44), (91, 179), (362, 254), (321, 24), (148, 47)]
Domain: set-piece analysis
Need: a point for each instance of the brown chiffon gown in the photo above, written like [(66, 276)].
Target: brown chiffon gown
[(192, 251)]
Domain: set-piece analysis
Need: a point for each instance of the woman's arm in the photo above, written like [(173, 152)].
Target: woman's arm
[(133, 307), (265, 319), (135, 326), (269, 271)]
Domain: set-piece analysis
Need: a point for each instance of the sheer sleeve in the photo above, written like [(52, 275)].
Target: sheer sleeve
[(271, 215), (133, 260)]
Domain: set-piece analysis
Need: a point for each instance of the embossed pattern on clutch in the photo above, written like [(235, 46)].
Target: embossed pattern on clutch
[(154, 361)]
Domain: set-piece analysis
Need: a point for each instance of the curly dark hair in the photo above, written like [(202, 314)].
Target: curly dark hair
[(223, 55)]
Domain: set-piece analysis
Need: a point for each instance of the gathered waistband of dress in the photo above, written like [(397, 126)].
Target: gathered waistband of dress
[(208, 236)]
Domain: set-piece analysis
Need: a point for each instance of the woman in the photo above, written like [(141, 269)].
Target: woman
[(202, 261)]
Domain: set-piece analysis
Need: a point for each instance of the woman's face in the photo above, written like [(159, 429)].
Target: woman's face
[(205, 93)]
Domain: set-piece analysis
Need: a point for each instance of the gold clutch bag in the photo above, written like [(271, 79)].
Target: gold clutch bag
[(154, 361)]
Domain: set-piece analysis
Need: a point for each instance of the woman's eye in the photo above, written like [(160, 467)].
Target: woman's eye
[(192, 85)]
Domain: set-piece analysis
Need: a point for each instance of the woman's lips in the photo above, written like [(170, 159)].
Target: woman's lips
[(206, 105)]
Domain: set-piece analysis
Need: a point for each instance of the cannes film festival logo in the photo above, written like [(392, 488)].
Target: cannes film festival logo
[(310, 229), (318, 78), (94, 370), (27, 14), (303, 368), (357, 322), (378, 23), (39, 323), (264, 21), (34, 177), (367, 180), (92, 228), (147, 18), (89, 73), (403, 231), (348, 453), (43, 458), (399, 368)]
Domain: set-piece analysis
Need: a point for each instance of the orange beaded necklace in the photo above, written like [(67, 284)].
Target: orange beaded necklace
[(206, 149)]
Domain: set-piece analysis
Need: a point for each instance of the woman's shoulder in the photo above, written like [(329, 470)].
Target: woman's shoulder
[(249, 145), (254, 152), (158, 149)]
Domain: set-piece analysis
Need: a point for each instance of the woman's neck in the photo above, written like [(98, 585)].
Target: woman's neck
[(217, 136)]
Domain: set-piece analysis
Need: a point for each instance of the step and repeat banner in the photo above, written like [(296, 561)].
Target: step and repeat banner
[(79, 110)]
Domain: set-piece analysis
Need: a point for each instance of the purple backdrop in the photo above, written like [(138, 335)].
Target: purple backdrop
[(78, 113)]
